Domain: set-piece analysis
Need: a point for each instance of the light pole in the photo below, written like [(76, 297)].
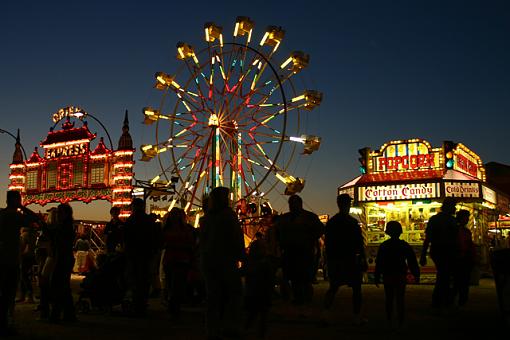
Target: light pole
[(17, 139)]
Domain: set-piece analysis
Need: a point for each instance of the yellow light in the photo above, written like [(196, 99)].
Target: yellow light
[(213, 120), (181, 52), (74, 142), (122, 177), (122, 190), (197, 220), (146, 147), (213, 32), (281, 178), (123, 153), (98, 156), (155, 179), (244, 25), (295, 99), (172, 204), (122, 165), (287, 62), (263, 41), (273, 37)]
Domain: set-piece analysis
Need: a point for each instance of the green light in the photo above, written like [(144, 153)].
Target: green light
[(449, 164)]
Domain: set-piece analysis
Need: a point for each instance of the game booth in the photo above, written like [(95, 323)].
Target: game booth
[(407, 180)]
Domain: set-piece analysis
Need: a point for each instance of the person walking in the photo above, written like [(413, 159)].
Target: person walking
[(441, 235), (140, 246), (298, 231), (345, 256), (60, 284), (178, 242), (395, 258), (465, 259), (221, 251)]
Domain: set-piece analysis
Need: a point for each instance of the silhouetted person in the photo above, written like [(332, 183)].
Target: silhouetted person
[(345, 256), (12, 219), (259, 271), (60, 284), (298, 231), (178, 242), (113, 231), (395, 258), (27, 249), (140, 247), (465, 259), (44, 255), (221, 251), (441, 235)]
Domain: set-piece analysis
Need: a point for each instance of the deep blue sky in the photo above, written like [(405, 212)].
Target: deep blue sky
[(437, 70)]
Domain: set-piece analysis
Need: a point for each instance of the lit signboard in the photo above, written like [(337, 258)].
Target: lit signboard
[(70, 111), (489, 195), (398, 192), (406, 155), (67, 150), (466, 161), (461, 189)]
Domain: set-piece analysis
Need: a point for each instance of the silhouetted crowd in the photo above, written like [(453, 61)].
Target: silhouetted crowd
[(145, 257)]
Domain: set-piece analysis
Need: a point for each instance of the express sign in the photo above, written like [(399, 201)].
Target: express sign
[(67, 150)]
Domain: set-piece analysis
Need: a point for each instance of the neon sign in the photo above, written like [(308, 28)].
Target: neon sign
[(405, 155), (70, 111), (455, 189), (67, 150), (466, 161), (398, 192)]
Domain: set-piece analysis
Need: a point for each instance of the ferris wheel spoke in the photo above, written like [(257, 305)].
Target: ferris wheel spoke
[(249, 163)]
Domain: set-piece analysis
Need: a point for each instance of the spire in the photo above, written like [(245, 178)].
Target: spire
[(17, 158), (125, 141), (125, 128)]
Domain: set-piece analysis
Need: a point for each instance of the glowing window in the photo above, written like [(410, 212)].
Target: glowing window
[(78, 173), (97, 173), (32, 180), (51, 176)]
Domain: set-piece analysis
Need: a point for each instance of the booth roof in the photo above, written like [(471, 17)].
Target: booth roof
[(397, 177)]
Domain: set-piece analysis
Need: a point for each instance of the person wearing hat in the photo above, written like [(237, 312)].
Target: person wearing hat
[(441, 236), (395, 258), (345, 256)]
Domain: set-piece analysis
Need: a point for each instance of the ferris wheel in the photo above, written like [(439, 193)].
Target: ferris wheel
[(230, 116)]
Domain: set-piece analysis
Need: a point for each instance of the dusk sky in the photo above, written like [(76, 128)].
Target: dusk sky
[(437, 70)]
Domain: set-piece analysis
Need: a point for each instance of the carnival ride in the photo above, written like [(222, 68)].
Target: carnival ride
[(230, 117)]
